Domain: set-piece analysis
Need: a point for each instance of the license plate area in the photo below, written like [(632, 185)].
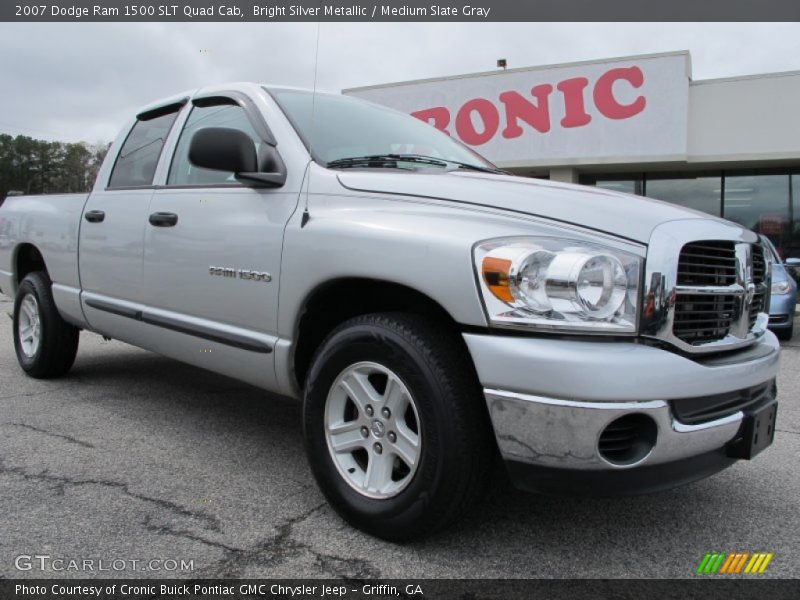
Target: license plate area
[(757, 432)]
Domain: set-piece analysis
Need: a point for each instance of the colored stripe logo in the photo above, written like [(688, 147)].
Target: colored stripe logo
[(722, 563)]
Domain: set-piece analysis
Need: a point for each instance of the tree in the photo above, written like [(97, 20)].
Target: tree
[(41, 167)]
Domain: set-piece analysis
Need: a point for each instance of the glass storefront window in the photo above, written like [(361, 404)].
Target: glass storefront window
[(700, 193), (760, 203), (793, 247), (766, 202), (629, 186)]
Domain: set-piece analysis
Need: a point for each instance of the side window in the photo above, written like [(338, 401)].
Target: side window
[(232, 116), (138, 157)]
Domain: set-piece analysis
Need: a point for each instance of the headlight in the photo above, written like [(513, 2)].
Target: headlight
[(559, 284), (780, 288)]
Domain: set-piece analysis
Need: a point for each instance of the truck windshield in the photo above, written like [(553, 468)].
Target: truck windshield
[(347, 132)]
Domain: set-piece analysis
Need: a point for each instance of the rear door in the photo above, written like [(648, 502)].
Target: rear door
[(213, 252), (113, 224)]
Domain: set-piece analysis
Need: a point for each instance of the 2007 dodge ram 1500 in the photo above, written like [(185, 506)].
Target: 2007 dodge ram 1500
[(432, 311)]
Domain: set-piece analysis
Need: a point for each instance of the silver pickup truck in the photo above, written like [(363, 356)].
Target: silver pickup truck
[(435, 315)]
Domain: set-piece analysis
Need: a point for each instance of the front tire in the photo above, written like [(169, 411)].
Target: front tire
[(395, 425), (45, 344)]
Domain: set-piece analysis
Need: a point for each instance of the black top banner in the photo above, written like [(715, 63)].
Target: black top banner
[(394, 10)]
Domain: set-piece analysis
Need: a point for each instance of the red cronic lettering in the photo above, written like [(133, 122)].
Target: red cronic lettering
[(488, 114), (438, 116), (536, 115), (604, 98), (574, 109), (478, 120)]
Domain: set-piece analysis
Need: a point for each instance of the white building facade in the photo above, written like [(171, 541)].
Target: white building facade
[(640, 124)]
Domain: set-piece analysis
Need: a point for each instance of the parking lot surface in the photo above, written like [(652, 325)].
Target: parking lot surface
[(135, 457)]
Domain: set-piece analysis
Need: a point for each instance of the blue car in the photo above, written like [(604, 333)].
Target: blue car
[(784, 294)]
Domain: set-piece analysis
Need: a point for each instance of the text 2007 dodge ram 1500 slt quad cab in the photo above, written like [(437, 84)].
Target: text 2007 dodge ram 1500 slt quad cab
[(432, 312)]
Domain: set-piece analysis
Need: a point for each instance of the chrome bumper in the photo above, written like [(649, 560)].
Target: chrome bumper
[(564, 434), (550, 399)]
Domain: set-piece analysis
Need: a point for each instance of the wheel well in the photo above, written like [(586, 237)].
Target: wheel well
[(336, 302), (29, 259)]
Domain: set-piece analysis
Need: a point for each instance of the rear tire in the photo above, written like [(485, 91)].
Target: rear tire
[(443, 411), (45, 344)]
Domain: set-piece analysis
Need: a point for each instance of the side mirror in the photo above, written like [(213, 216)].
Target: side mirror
[(223, 149), (231, 150), (792, 262)]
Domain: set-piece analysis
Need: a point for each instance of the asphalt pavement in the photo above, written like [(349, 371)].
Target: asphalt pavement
[(135, 457)]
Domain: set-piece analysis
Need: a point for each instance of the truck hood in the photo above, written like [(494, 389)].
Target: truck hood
[(622, 215)]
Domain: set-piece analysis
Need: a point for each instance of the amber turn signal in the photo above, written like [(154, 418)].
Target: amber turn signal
[(495, 273)]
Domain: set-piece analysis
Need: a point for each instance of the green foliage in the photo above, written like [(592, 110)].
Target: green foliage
[(41, 167)]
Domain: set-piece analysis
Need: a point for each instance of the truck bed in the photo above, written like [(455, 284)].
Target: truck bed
[(51, 222)]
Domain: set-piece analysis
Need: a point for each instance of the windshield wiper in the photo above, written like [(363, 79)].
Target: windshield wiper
[(389, 161), (447, 161), (472, 167), (382, 161)]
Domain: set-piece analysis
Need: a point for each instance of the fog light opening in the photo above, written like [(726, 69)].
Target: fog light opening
[(628, 440)]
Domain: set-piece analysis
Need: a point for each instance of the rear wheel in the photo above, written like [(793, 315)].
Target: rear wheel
[(395, 427), (45, 344)]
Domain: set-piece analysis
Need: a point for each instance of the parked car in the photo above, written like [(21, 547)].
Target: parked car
[(432, 312), (783, 299)]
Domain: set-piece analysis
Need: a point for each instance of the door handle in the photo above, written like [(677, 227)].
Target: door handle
[(163, 219), (94, 216)]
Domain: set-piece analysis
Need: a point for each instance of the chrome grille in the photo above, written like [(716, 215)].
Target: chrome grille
[(706, 286), (699, 317), (703, 266), (703, 318), (707, 263)]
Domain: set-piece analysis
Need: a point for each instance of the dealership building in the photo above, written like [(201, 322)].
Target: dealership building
[(639, 124)]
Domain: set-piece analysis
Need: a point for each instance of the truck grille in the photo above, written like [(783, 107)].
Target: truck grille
[(704, 317)]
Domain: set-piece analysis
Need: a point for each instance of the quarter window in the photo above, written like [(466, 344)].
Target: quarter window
[(138, 157), (227, 115)]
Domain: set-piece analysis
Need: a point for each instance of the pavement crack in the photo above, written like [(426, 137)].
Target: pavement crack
[(62, 436), (282, 546), (62, 482), (788, 431), (347, 568), (34, 394), (270, 552), (187, 535)]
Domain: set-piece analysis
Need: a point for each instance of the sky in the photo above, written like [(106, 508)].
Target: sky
[(83, 81)]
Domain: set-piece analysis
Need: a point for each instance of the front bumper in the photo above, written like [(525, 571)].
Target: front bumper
[(551, 399)]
